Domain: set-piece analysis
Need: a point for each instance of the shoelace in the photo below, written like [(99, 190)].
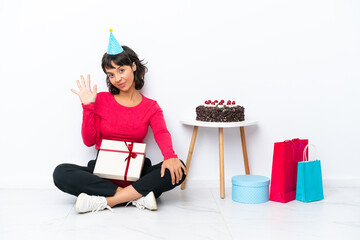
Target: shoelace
[(137, 203), (100, 204)]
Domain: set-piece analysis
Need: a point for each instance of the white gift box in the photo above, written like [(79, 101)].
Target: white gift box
[(120, 160)]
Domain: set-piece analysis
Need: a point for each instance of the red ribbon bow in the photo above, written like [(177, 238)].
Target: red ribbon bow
[(131, 153), (128, 158)]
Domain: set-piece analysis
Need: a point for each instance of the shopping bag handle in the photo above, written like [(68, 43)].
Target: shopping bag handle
[(305, 159), (293, 145), (293, 142)]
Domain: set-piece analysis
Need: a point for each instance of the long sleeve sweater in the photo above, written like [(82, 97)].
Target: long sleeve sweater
[(107, 119)]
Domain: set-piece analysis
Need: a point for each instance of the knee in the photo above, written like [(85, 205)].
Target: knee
[(59, 173), (91, 164), (169, 179)]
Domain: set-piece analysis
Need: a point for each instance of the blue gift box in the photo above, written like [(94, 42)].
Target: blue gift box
[(250, 188)]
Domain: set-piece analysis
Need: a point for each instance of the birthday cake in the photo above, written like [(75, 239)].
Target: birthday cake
[(220, 112)]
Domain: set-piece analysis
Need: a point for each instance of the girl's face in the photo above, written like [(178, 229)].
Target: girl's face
[(122, 77)]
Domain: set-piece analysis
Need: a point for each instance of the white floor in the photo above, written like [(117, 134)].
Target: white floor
[(195, 213)]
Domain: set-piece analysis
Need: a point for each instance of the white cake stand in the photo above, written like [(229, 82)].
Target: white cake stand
[(219, 125)]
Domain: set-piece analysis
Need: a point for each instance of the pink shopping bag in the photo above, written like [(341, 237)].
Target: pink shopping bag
[(286, 156)]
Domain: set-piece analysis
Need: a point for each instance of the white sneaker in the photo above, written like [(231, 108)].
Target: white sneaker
[(86, 203), (148, 202)]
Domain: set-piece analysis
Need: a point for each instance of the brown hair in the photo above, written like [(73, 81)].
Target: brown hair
[(127, 57)]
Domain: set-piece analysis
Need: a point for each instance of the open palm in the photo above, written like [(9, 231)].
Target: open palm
[(85, 94)]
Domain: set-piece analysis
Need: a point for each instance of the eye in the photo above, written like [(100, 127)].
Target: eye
[(110, 75), (121, 70)]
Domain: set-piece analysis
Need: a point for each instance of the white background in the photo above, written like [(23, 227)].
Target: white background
[(293, 65)]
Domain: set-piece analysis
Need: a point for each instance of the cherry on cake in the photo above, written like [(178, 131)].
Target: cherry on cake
[(219, 111)]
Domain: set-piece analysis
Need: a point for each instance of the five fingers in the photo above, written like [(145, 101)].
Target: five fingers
[(83, 84)]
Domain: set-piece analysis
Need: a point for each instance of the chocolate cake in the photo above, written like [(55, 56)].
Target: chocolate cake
[(219, 112)]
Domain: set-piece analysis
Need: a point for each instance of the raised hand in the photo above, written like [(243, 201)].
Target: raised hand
[(85, 94)]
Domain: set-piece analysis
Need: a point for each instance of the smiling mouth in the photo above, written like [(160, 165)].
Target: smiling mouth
[(121, 85)]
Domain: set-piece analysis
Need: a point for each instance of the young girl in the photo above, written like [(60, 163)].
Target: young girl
[(123, 114)]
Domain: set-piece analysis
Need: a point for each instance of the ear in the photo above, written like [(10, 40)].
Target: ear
[(134, 67)]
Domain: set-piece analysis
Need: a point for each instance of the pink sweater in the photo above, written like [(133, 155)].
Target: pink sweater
[(107, 119)]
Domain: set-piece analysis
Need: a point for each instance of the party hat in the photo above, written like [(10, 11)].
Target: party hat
[(114, 47)]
